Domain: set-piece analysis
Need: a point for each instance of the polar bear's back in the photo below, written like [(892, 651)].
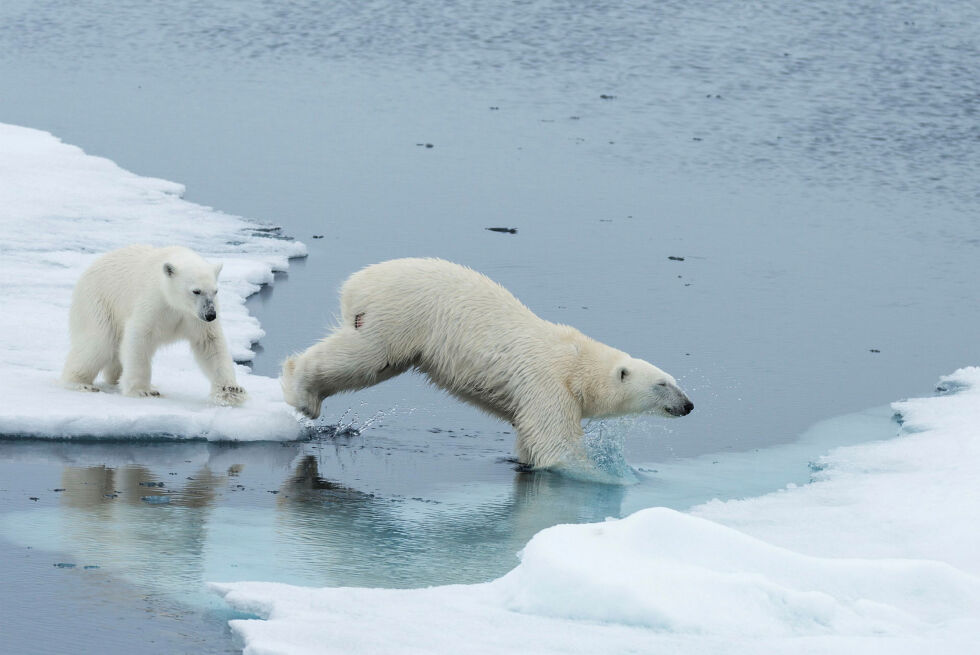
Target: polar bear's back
[(448, 320), (430, 289)]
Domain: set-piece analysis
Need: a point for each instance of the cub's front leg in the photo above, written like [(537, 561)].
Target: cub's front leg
[(135, 353), (211, 352)]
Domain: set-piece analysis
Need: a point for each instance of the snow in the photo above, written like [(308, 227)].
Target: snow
[(879, 553), (59, 209)]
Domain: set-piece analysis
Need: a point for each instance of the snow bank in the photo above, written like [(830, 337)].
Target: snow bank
[(905, 497), (879, 554), (61, 208)]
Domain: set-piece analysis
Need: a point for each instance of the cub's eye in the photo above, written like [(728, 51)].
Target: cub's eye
[(196, 292), (661, 384)]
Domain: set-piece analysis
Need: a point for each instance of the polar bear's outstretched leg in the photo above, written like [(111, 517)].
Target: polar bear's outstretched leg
[(346, 360), (549, 435)]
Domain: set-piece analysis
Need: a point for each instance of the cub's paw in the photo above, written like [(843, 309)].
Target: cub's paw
[(80, 386), (229, 394), (143, 393)]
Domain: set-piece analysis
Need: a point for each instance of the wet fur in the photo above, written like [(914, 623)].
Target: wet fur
[(474, 339)]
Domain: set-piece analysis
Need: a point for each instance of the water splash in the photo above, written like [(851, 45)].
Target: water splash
[(605, 462), (349, 424)]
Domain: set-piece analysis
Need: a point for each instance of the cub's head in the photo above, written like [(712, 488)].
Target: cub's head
[(634, 386), (191, 286), (296, 392)]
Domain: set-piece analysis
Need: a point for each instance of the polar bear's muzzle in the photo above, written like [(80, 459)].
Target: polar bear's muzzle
[(208, 312), (680, 409), (676, 403)]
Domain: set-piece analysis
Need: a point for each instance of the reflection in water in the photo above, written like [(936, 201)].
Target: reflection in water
[(266, 511), (354, 511), (370, 540), (115, 515)]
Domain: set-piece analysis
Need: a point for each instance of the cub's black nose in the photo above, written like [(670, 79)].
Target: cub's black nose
[(688, 408)]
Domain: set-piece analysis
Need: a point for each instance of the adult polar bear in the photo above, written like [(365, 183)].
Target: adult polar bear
[(130, 302), (474, 339)]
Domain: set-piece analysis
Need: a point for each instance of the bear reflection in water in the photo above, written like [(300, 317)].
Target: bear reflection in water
[(296, 513)]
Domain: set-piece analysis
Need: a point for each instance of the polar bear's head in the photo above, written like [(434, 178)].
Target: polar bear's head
[(635, 386), (191, 285)]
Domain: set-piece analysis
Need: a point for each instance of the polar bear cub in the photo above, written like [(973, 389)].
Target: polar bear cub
[(130, 302), (471, 337)]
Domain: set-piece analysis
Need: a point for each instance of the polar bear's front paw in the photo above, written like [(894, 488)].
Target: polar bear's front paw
[(229, 394)]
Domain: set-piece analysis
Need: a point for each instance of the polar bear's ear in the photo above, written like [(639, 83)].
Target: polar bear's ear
[(169, 270), (217, 270)]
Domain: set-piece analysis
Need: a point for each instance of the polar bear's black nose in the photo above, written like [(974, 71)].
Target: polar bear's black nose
[(210, 315), (681, 410)]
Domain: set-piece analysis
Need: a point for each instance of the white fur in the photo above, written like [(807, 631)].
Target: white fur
[(130, 302), (477, 341)]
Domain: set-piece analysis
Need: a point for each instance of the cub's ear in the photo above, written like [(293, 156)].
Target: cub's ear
[(217, 270), (169, 270)]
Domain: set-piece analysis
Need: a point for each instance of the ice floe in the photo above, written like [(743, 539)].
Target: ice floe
[(59, 209)]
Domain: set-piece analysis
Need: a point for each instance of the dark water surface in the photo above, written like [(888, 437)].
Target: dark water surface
[(813, 163)]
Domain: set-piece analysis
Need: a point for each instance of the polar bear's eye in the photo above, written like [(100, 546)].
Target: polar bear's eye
[(623, 372), (196, 292)]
